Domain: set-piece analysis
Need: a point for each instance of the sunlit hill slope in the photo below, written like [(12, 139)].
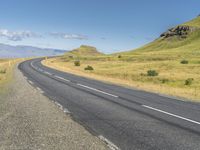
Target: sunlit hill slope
[(174, 59)]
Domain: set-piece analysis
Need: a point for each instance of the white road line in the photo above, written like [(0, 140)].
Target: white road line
[(66, 111), (40, 90), (183, 118), (48, 73), (109, 143), (33, 65), (62, 78), (40, 70), (97, 90), (58, 104), (30, 82)]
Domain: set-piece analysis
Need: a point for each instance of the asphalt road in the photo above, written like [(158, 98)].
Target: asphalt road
[(124, 118)]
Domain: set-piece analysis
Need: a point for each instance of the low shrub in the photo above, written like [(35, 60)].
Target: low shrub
[(164, 80), (142, 74), (71, 57), (89, 68), (189, 81), (119, 56), (152, 73), (184, 61), (77, 63), (3, 71)]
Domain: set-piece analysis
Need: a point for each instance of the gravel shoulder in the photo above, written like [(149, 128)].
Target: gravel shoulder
[(29, 120)]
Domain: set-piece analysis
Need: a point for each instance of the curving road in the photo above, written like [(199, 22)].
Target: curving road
[(124, 118)]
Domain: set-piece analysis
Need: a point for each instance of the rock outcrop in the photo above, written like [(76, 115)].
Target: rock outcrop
[(179, 31)]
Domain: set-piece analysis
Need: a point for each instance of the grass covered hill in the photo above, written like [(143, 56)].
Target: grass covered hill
[(194, 23), (168, 65), (182, 38), (83, 51)]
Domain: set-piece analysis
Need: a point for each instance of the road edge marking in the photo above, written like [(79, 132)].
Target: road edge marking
[(111, 145), (30, 82), (40, 90), (65, 110)]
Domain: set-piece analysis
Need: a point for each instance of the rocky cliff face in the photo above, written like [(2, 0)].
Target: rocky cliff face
[(179, 31)]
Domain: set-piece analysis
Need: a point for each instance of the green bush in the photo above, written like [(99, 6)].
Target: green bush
[(152, 73), (189, 81), (164, 80), (89, 68), (184, 62), (119, 56), (3, 71), (77, 63)]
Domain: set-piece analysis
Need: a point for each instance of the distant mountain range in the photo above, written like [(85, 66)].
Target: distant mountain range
[(9, 51)]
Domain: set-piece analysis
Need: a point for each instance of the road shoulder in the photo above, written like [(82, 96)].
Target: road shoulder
[(29, 120)]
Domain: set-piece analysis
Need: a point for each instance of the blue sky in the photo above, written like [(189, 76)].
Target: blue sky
[(109, 25)]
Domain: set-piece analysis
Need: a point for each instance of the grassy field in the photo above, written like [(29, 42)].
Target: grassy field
[(171, 78), (130, 68)]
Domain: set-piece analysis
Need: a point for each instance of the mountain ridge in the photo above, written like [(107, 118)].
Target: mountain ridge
[(19, 51)]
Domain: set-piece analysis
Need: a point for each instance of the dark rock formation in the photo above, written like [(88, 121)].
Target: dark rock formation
[(180, 31)]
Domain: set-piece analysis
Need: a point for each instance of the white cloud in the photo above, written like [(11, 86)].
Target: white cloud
[(68, 36), (17, 35)]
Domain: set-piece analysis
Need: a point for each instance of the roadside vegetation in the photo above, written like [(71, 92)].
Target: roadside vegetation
[(169, 65), (6, 71)]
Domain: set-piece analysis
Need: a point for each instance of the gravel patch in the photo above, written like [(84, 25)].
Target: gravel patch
[(29, 120)]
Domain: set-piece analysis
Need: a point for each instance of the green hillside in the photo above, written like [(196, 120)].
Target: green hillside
[(84, 50), (182, 38), (195, 22), (173, 58)]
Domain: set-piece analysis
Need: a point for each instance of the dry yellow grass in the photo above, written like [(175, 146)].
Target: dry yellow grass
[(132, 73), (6, 71), (130, 68)]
